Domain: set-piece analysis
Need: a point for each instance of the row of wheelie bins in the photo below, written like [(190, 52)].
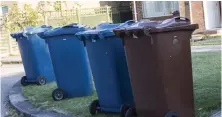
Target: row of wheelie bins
[(138, 68)]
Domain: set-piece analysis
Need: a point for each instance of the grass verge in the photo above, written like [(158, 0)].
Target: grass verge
[(206, 75), (14, 113), (207, 82)]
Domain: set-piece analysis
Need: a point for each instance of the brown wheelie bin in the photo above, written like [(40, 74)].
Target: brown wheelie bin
[(159, 63)]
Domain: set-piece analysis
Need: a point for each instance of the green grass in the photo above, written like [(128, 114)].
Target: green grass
[(14, 113), (209, 41), (206, 75), (41, 96), (207, 82)]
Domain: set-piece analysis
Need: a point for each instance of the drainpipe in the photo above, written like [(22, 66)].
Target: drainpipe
[(134, 9)]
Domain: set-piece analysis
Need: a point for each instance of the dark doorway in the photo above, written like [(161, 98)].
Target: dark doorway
[(120, 10)]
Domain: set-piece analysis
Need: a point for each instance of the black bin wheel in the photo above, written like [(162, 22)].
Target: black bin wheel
[(93, 108), (23, 81), (131, 112), (58, 94), (171, 114), (123, 110), (41, 80)]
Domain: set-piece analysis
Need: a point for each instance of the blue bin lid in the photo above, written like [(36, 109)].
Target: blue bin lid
[(35, 30), (30, 30), (102, 31), (70, 29), (17, 35)]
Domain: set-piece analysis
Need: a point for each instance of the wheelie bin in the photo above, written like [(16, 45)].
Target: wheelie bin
[(159, 62), (69, 59), (109, 68), (35, 56)]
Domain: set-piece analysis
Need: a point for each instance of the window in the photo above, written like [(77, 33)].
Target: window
[(4, 9), (159, 8)]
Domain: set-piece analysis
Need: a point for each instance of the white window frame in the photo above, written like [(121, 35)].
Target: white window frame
[(147, 6)]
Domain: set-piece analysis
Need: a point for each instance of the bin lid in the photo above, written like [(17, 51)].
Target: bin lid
[(149, 27), (17, 35), (105, 26), (102, 31), (35, 30), (173, 24), (70, 29)]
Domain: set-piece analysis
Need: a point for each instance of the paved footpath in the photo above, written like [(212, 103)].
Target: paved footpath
[(217, 114), (10, 74), (208, 48)]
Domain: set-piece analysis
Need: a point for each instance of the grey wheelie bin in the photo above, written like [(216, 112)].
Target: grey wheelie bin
[(159, 62)]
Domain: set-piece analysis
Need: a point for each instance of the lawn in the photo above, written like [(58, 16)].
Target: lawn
[(208, 41), (207, 82), (206, 75)]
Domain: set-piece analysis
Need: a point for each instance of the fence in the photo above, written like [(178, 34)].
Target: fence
[(8, 46), (88, 16)]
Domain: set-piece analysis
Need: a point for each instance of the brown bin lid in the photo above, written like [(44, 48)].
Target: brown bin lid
[(149, 27), (137, 28)]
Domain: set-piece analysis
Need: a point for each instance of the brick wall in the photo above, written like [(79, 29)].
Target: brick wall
[(138, 10), (197, 15)]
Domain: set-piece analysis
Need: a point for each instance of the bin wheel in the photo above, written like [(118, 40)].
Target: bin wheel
[(123, 110), (131, 112), (58, 94), (23, 81), (41, 80), (93, 108), (171, 114)]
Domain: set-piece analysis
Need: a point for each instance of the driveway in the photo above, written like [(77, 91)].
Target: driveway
[(10, 74)]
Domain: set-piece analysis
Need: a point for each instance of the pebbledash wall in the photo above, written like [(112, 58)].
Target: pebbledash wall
[(193, 10)]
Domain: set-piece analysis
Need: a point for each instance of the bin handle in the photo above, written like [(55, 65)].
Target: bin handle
[(182, 19), (45, 26), (24, 34), (129, 22), (73, 25)]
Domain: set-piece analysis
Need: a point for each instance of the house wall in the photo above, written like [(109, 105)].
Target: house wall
[(8, 3), (192, 10), (197, 14), (138, 10), (184, 9)]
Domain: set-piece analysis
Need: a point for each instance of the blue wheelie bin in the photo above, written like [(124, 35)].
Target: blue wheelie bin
[(109, 68), (70, 62), (35, 56)]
